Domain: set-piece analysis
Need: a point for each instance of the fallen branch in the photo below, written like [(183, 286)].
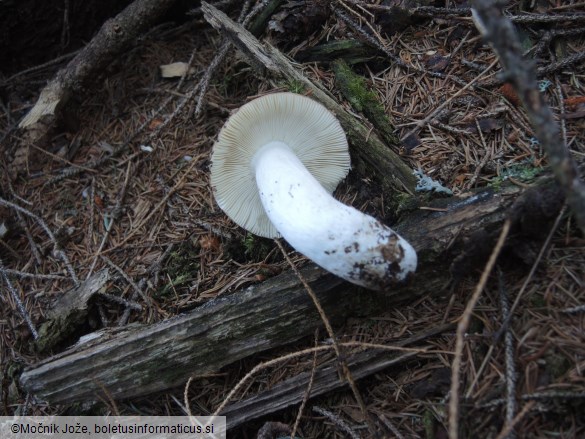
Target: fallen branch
[(500, 33), (115, 36), (326, 379)]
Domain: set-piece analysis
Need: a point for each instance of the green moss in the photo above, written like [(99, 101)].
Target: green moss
[(355, 89), (475, 326), (256, 247), (249, 243), (537, 301), (557, 364), (295, 86), (524, 172), (181, 267), (258, 25), (429, 424), (401, 202)]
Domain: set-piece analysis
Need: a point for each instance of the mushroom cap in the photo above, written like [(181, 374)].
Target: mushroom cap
[(306, 126)]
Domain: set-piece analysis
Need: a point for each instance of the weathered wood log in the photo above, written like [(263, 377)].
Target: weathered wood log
[(70, 311), (140, 360), (370, 155), (326, 379)]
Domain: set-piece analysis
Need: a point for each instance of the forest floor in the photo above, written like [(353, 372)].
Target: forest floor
[(150, 214)]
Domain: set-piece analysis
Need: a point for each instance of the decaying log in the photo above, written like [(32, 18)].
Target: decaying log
[(70, 310), (142, 360), (370, 155), (326, 379), (114, 36)]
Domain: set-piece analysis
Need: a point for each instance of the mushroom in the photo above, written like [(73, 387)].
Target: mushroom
[(274, 167)]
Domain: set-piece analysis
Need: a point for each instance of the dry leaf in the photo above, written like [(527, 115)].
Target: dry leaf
[(574, 101), (154, 124), (175, 70), (510, 94)]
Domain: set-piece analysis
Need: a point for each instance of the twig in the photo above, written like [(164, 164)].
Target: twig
[(337, 421), (127, 279), (499, 31), (574, 310), (160, 204), (275, 361), (562, 111), (423, 122), (329, 328), (121, 301), (391, 427), (19, 304), (223, 50), (308, 391), (33, 246), (91, 201), (23, 274), (271, 430), (263, 366), (29, 237), (544, 18), (462, 328), (509, 355), (530, 275), (378, 45), (126, 314), (186, 396), (506, 431), (42, 66), (56, 248), (157, 265), (558, 65), (538, 396), (115, 214), (484, 160), (244, 19)]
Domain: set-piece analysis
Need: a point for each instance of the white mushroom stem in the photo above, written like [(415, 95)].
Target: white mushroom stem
[(339, 238)]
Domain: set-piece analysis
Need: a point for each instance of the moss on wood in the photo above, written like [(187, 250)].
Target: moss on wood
[(361, 97)]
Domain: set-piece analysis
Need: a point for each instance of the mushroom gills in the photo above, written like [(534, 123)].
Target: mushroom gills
[(339, 238)]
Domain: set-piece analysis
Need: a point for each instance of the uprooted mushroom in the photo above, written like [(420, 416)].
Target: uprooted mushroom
[(274, 167)]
